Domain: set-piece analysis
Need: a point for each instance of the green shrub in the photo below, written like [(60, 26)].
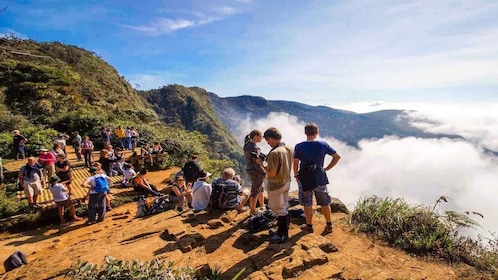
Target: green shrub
[(122, 269), (422, 230)]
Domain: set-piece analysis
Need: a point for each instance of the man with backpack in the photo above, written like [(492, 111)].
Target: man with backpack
[(191, 170), (99, 184), (227, 193), (31, 179)]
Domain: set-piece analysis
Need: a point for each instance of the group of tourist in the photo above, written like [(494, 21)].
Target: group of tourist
[(190, 186)]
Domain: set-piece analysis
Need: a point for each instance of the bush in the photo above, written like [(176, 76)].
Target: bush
[(122, 269), (422, 230)]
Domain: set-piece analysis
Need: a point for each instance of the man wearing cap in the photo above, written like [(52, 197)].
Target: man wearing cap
[(97, 196), (278, 169), (61, 140), (47, 160), (201, 192), (77, 144), (18, 144), (31, 179)]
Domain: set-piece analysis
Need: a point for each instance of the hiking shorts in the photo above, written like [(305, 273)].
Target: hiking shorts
[(32, 188), (278, 200), (257, 180), (65, 203), (321, 194)]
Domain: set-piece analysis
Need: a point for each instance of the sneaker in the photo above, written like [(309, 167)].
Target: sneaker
[(307, 228), (243, 209), (276, 238), (328, 230), (179, 209)]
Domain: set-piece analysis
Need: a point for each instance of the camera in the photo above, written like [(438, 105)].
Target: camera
[(260, 155)]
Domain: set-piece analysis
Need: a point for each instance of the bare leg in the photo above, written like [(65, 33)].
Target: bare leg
[(252, 204), (308, 212), (261, 200), (326, 212), (60, 209)]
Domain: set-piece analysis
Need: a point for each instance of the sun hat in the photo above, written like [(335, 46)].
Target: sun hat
[(43, 149), (55, 179), (204, 175)]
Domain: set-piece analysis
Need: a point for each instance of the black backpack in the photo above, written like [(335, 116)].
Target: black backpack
[(190, 171), (15, 260), (218, 195), (261, 221)]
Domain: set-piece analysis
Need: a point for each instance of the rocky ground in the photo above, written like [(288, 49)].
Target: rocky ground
[(218, 239)]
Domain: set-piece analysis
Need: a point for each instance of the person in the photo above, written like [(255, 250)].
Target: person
[(105, 134), (236, 198), (62, 197), (86, 150), (278, 167), (179, 192), (47, 160), (31, 179), (146, 153), (309, 157), (157, 148), (61, 140), (63, 171), (134, 138), (191, 170), (97, 194), (77, 144), (128, 138), (118, 166), (141, 184), (255, 171), (201, 192), (128, 174), (121, 134), (18, 144), (56, 150)]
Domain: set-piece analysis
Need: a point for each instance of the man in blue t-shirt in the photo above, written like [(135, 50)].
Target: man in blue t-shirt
[(309, 157)]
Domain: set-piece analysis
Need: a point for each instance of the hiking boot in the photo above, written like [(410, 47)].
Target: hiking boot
[(328, 230), (277, 238), (307, 228)]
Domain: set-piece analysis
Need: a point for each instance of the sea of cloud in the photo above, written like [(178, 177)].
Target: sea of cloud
[(418, 170)]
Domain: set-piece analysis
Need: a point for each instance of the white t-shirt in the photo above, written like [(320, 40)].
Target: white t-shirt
[(59, 192), (90, 181), (128, 174), (201, 192)]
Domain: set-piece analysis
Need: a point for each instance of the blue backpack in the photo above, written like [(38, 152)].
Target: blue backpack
[(101, 184)]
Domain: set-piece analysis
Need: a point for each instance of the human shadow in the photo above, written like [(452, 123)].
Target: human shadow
[(40, 236), (203, 217), (270, 254)]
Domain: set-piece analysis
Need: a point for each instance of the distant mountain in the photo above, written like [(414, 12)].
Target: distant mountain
[(346, 126)]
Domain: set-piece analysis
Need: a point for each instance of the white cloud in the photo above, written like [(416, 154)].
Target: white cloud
[(154, 80), (9, 31), (163, 25), (417, 170)]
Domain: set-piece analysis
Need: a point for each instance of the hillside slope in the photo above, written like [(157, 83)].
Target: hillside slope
[(218, 239)]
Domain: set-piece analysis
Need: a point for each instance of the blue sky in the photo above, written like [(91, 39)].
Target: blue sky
[(314, 52)]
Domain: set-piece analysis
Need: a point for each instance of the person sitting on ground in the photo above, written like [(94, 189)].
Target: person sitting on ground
[(30, 177), (179, 192), (201, 192), (118, 167), (236, 196), (141, 184), (62, 197), (145, 152), (128, 174), (157, 148)]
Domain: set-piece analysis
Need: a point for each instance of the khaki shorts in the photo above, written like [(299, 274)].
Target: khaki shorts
[(65, 203), (32, 188)]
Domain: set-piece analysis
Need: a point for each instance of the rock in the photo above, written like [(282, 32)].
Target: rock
[(257, 275), (203, 271), (328, 247), (293, 268), (215, 223), (336, 206), (226, 219), (186, 244), (314, 256)]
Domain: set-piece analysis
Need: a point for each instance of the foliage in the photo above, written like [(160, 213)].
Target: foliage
[(422, 230), (122, 269), (9, 204)]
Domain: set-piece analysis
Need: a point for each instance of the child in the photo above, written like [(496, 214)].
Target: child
[(62, 198), (128, 174)]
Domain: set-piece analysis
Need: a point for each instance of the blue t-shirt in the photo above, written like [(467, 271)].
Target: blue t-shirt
[(313, 152)]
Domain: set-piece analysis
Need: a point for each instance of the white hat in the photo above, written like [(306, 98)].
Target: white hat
[(204, 175)]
